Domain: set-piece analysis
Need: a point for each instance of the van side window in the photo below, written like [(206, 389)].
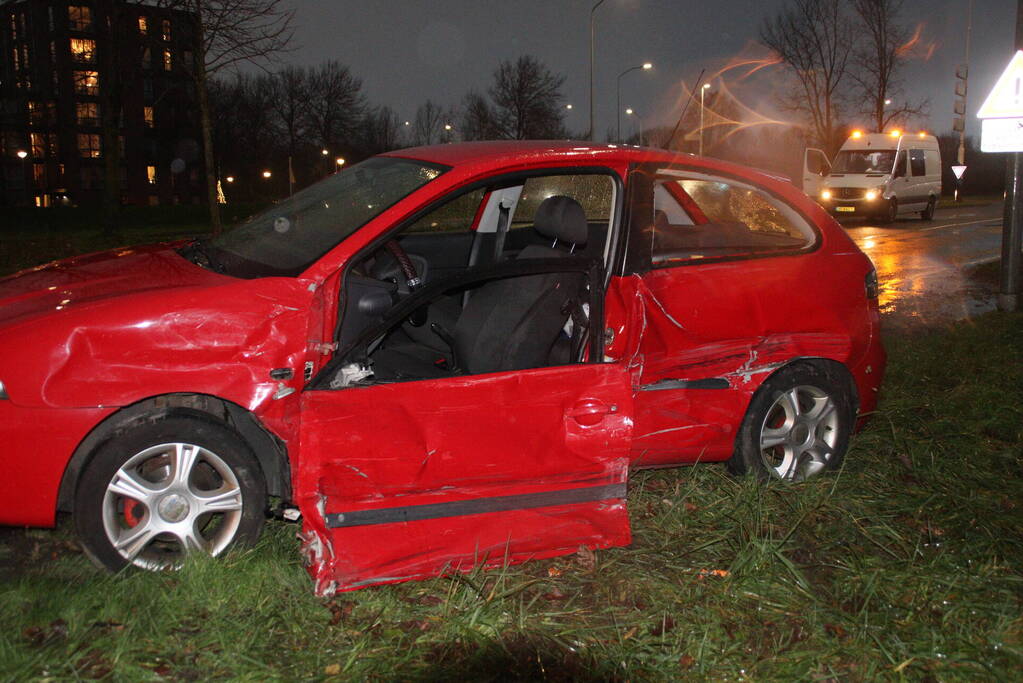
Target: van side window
[(916, 162), (696, 218)]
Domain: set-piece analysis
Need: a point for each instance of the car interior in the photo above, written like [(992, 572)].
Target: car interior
[(497, 278), (705, 218)]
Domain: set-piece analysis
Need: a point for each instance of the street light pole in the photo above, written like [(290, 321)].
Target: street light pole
[(703, 89), (646, 66), (589, 133)]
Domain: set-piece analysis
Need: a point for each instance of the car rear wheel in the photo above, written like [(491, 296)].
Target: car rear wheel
[(162, 490), (928, 213), (797, 424)]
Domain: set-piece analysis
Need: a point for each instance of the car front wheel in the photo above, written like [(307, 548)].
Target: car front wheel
[(167, 488), (797, 424)]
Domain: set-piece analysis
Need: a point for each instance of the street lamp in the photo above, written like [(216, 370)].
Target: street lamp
[(267, 174), (229, 178), (340, 162), (22, 154), (589, 133), (703, 89), (645, 66)]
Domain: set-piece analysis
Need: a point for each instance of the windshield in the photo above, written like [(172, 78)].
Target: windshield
[(864, 161), (290, 236)]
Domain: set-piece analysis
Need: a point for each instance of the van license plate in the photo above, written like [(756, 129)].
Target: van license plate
[(845, 208)]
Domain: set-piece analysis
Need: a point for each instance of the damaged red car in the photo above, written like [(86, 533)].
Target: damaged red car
[(444, 357)]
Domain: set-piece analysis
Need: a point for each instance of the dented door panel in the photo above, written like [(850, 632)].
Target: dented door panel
[(410, 480)]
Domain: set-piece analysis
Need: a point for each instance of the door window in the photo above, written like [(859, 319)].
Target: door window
[(698, 218), (916, 162)]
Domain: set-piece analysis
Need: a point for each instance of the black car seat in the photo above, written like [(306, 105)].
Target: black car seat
[(512, 323)]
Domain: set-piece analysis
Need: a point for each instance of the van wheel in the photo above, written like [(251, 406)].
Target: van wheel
[(928, 213), (893, 210)]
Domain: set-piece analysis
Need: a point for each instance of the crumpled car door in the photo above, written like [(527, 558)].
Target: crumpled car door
[(415, 479)]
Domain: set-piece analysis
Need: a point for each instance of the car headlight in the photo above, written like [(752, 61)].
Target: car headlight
[(3, 391), (825, 194), (870, 195)]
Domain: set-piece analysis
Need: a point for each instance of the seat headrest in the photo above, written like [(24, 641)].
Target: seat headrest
[(562, 218)]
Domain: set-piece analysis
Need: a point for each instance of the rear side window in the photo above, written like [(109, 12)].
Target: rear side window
[(916, 162), (593, 192), (702, 218), (455, 216)]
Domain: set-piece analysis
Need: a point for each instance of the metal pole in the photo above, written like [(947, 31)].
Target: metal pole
[(702, 90), (1012, 218), (962, 134), (589, 133), (618, 108)]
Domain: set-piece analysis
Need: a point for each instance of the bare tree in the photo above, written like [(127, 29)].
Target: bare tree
[(812, 37), (230, 32), (526, 100), (477, 118), (381, 130), (335, 104), (289, 91), (428, 125), (885, 49)]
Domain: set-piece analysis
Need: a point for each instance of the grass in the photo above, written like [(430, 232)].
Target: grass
[(904, 565)]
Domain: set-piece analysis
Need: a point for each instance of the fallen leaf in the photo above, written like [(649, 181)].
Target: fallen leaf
[(554, 593), (339, 611), (686, 662), (631, 632), (553, 571), (332, 669), (586, 558), (663, 626), (834, 630), (690, 507)]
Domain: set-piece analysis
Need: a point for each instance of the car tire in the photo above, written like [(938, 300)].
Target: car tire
[(928, 213), (893, 210), (797, 425), (165, 488)]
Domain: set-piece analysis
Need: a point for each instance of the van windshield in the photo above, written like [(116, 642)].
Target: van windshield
[(864, 161)]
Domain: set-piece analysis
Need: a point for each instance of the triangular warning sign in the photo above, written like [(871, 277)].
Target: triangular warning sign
[(959, 171), (1006, 98)]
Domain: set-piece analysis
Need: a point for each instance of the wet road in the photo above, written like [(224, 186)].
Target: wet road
[(920, 264)]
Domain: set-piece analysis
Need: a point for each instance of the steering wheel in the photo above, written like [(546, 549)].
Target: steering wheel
[(408, 269), (412, 281)]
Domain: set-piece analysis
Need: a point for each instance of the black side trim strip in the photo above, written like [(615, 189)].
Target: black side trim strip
[(478, 506), (706, 383)]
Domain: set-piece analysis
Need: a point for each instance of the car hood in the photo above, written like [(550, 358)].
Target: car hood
[(63, 284)]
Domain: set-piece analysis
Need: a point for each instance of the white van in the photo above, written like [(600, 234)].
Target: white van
[(879, 175)]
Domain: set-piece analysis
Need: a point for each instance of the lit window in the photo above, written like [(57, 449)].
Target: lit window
[(39, 173), (86, 82), (89, 145), (151, 174), (38, 141), (79, 18), (166, 60), (83, 50), (36, 114), (166, 29), (16, 58), (87, 113), (143, 26), (14, 27), (147, 113)]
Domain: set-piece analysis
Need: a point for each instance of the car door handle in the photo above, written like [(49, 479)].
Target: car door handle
[(589, 412)]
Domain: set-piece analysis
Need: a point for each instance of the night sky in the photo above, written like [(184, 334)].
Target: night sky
[(406, 51)]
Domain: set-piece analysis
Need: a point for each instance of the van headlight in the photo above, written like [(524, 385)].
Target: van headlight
[(825, 194), (870, 195)]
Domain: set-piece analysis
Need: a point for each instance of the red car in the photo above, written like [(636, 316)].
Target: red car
[(444, 357)]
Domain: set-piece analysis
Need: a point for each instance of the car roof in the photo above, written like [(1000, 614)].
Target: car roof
[(526, 151)]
